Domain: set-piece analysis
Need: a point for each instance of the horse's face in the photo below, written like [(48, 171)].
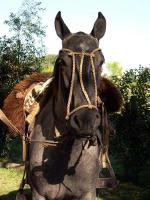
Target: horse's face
[(79, 65)]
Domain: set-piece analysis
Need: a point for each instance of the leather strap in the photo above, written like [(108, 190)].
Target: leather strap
[(6, 121), (103, 137)]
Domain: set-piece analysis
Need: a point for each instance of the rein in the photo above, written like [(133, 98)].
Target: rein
[(85, 93)]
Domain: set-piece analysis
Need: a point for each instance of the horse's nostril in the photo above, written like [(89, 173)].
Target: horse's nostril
[(97, 116), (86, 120), (77, 121)]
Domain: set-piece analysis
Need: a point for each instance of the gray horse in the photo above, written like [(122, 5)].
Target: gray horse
[(70, 169)]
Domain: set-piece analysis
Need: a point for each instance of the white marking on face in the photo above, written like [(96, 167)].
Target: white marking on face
[(84, 46)]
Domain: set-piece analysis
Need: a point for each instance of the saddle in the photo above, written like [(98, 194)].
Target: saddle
[(32, 99)]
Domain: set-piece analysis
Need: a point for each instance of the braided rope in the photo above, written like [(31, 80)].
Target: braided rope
[(94, 78), (89, 104), (80, 107), (81, 81), (71, 86)]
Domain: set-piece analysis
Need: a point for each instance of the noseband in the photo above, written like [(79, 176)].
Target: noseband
[(85, 93)]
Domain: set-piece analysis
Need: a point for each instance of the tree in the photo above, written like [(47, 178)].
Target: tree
[(26, 26), (114, 69), (131, 144), (23, 51), (49, 62)]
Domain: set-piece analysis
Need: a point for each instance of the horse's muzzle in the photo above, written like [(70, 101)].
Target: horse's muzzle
[(85, 122)]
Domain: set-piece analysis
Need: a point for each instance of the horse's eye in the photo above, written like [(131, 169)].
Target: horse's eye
[(61, 62)]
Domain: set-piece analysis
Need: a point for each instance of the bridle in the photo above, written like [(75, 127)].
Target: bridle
[(89, 105)]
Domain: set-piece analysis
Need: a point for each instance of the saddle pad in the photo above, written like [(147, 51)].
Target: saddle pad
[(32, 98)]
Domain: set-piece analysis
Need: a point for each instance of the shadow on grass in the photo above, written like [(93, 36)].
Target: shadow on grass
[(124, 191), (12, 195)]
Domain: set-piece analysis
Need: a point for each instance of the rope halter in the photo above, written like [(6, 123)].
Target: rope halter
[(85, 93)]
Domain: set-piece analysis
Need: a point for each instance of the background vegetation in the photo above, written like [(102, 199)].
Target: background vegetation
[(131, 144), (24, 52)]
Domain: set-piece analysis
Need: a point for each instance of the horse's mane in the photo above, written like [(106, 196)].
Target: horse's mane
[(110, 95)]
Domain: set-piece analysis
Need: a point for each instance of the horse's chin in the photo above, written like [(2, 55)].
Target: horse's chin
[(86, 134)]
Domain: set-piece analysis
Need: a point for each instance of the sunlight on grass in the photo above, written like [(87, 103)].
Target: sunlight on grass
[(47, 69), (9, 180)]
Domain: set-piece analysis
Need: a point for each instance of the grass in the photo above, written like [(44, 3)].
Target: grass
[(10, 180), (125, 191)]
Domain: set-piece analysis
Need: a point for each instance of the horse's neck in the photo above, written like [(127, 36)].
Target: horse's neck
[(45, 121), (51, 116), (82, 158), (83, 146)]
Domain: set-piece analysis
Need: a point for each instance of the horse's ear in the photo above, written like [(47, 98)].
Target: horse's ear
[(60, 27), (99, 27), (110, 95)]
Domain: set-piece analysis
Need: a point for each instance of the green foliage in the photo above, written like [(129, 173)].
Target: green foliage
[(10, 147), (22, 52), (131, 144), (14, 149), (10, 180), (3, 146), (114, 69), (144, 176), (48, 63), (125, 191)]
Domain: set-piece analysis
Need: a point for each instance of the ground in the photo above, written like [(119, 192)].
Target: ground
[(10, 180)]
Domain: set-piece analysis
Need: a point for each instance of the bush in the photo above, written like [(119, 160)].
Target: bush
[(132, 141)]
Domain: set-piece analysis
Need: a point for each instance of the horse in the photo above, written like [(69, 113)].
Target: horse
[(68, 167)]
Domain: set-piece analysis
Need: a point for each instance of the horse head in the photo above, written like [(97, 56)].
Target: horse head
[(77, 72)]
